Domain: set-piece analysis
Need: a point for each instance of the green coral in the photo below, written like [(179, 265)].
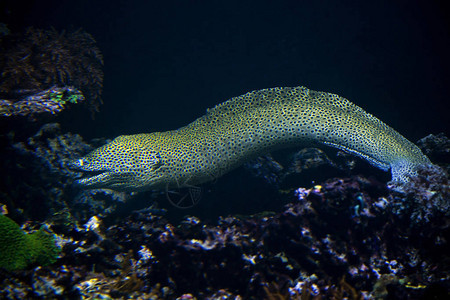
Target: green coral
[(18, 249), (66, 95)]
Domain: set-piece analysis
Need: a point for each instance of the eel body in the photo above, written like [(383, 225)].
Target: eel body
[(243, 128)]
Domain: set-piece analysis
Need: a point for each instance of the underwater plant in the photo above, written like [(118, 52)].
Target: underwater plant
[(40, 61), (18, 249)]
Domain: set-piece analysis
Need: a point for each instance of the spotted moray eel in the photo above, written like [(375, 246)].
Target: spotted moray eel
[(243, 128)]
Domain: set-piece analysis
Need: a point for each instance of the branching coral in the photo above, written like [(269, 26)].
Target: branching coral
[(44, 59)]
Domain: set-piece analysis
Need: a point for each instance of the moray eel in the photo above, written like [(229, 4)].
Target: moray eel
[(243, 128)]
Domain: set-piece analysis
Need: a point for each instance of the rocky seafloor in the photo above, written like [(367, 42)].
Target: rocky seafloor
[(345, 237)]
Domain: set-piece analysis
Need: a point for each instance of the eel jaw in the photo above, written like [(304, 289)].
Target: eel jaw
[(88, 177), (104, 180), (96, 178), (93, 181), (103, 177)]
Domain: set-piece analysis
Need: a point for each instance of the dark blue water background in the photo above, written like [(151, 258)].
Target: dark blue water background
[(167, 61)]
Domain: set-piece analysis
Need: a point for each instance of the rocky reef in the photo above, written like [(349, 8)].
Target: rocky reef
[(351, 236), (39, 183), (45, 71)]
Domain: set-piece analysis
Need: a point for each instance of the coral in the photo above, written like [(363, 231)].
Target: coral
[(345, 238), (346, 291), (303, 166), (41, 60), (39, 182), (52, 100), (44, 251), (18, 249), (129, 281), (308, 158), (288, 166), (267, 168), (425, 198), (437, 148), (380, 287), (306, 290), (12, 241)]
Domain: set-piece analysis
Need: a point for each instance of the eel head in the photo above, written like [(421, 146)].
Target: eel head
[(125, 164)]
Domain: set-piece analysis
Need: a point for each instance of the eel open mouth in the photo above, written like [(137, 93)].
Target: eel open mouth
[(88, 177), (91, 178)]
